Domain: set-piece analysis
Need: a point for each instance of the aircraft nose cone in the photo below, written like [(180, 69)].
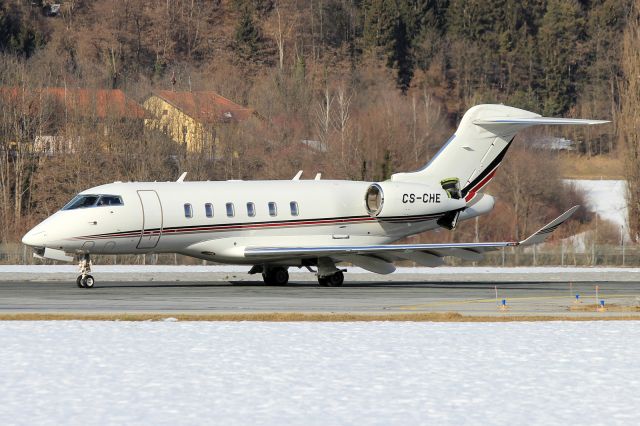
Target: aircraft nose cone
[(34, 238)]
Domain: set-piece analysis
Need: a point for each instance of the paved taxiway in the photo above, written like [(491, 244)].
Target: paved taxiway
[(243, 293)]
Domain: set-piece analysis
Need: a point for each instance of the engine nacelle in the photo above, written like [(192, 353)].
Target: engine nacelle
[(393, 199)]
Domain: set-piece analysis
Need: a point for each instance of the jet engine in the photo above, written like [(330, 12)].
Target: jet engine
[(397, 199)]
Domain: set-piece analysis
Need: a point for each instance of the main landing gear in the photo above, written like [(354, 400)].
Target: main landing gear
[(276, 275), (85, 280), (334, 280), (328, 274)]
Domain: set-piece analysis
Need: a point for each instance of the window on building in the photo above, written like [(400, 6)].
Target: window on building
[(165, 112), (273, 209), (231, 211), (294, 208), (188, 211), (208, 209), (251, 209)]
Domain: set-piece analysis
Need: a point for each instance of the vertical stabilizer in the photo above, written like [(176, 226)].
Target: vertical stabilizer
[(478, 146)]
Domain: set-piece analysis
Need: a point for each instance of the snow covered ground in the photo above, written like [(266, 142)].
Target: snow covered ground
[(319, 373), (606, 197)]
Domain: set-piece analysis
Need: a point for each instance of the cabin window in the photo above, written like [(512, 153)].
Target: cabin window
[(110, 200), (84, 201), (273, 209), (294, 208), (208, 209), (251, 209), (188, 211), (231, 211)]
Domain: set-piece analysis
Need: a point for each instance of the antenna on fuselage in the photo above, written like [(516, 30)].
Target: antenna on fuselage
[(318, 176), (297, 176), (182, 176)]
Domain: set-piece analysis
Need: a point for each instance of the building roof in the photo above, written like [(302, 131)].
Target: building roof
[(99, 103), (206, 106)]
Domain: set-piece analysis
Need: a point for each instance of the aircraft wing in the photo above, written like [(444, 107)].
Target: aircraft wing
[(378, 258)]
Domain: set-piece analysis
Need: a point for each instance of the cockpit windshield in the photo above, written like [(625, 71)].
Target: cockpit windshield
[(83, 201)]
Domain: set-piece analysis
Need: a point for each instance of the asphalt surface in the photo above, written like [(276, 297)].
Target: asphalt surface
[(391, 296)]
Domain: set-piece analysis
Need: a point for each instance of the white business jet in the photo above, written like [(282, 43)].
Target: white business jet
[(274, 225)]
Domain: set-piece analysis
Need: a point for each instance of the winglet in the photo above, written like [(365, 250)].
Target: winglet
[(297, 176), (182, 176), (546, 230)]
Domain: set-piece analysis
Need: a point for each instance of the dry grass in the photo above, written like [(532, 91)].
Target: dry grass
[(609, 308), (576, 166), (311, 317)]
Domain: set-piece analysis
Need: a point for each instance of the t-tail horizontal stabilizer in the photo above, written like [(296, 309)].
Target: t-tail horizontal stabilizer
[(538, 121)]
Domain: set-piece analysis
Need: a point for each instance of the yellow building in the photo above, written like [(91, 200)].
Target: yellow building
[(192, 118)]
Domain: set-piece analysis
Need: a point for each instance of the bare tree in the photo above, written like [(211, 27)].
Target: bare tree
[(324, 115), (629, 117), (343, 115)]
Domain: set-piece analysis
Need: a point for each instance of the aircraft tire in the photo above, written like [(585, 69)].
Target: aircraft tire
[(276, 276), (323, 281), (79, 281), (335, 280), (88, 281)]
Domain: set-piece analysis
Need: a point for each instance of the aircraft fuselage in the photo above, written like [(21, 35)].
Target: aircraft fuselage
[(216, 220)]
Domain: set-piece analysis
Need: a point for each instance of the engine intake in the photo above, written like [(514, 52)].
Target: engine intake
[(374, 199)]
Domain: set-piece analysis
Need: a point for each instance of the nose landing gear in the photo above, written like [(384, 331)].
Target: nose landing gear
[(85, 280)]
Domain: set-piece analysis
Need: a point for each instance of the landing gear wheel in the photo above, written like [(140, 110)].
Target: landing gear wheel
[(323, 282), (87, 281), (276, 276), (336, 279)]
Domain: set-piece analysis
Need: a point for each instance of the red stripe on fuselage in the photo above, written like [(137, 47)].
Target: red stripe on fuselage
[(222, 227), (231, 227), (480, 185)]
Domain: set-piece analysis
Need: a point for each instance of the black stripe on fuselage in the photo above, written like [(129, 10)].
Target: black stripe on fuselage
[(496, 161)]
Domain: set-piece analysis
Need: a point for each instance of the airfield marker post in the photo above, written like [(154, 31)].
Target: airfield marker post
[(503, 305)]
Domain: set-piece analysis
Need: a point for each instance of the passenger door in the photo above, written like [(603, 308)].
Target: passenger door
[(152, 219)]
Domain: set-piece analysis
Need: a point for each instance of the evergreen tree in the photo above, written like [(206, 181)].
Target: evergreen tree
[(247, 34), (561, 32), (18, 33), (385, 29)]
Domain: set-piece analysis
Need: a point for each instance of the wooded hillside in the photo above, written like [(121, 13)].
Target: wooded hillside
[(378, 85)]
